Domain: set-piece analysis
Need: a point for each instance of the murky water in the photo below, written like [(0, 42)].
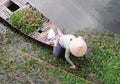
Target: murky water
[(72, 15)]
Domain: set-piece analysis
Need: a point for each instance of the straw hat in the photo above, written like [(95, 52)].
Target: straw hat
[(78, 47)]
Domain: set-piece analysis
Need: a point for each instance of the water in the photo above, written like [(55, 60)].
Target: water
[(72, 15)]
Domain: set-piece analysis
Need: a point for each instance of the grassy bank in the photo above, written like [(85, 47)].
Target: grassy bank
[(20, 63), (104, 57), (17, 64)]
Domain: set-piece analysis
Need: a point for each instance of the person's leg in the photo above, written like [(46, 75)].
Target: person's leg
[(57, 50)]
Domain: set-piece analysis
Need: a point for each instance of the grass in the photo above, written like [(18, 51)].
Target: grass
[(105, 60), (27, 69), (27, 20), (104, 55), (99, 66), (16, 67)]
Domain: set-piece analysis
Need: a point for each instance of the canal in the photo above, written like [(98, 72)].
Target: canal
[(72, 15)]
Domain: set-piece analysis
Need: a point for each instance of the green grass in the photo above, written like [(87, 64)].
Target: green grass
[(26, 20), (18, 68), (105, 58), (99, 66), (22, 69)]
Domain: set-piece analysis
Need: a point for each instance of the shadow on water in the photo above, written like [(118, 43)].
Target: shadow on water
[(110, 16), (113, 26)]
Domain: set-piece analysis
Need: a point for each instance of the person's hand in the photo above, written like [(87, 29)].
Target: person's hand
[(73, 67)]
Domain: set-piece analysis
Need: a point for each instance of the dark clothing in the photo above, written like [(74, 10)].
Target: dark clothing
[(58, 50), (62, 47)]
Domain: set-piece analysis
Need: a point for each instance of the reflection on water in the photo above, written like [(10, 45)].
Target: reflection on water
[(72, 15)]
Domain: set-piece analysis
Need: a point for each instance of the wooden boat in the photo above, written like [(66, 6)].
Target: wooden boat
[(7, 7)]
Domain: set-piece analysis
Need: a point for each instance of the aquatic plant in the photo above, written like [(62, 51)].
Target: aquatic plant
[(26, 20)]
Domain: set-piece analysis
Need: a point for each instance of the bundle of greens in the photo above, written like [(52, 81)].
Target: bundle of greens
[(26, 20)]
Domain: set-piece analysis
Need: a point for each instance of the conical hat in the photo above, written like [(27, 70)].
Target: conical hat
[(78, 47)]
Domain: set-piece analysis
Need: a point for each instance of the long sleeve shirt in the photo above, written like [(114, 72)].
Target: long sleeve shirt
[(64, 42)]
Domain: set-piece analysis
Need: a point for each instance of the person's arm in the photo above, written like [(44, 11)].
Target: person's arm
[(67, 54)]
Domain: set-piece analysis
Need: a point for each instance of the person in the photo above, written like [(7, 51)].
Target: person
[(70, 44)]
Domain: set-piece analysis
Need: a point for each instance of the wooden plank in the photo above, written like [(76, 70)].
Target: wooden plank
[(39, 36), (2, 2), (3, 16), (5, 12), (20, 3)]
